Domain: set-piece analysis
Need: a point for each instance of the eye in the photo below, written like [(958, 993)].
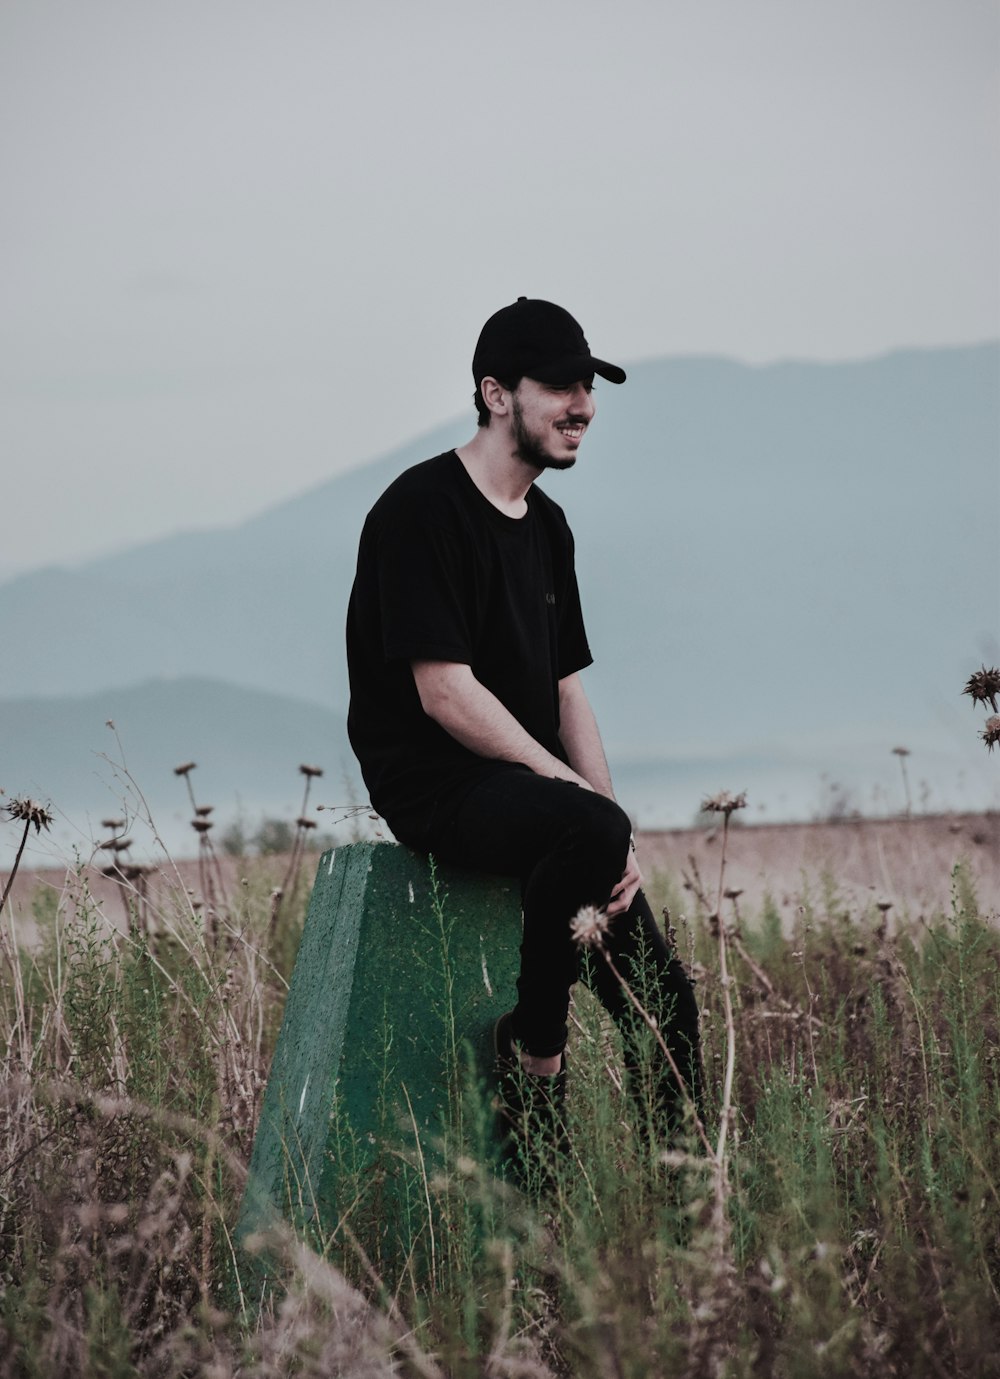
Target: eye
[(587, 383)]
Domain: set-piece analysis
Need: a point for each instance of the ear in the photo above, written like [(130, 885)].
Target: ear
[(495, 395)]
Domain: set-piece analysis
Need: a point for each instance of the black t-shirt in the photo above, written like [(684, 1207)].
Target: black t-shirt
[(444, 575)]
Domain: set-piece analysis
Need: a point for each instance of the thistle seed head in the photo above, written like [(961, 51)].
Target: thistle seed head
[(984, 687), (30, 812), (724, 803), (588, 927), (311, 770), (184, 768), (201, 825), (901, 751), (991, 733)]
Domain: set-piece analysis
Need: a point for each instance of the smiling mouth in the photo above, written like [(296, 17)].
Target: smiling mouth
[(573, 431)]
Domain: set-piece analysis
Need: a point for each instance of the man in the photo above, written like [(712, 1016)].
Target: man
[(465, 644)]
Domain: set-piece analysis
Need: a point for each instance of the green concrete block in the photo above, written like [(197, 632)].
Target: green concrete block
[(392, 983)]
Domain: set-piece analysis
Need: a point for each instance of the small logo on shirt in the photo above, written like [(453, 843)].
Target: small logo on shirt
[(550, 598)]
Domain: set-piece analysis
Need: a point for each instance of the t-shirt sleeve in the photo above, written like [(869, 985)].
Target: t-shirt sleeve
[(423, 574), (574, 649)]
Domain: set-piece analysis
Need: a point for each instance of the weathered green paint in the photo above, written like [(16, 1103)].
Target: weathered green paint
[(391, 982)]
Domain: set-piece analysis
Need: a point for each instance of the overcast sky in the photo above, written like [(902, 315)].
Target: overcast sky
[(245, 245)]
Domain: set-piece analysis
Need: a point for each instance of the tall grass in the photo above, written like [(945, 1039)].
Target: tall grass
[(862, 1165)]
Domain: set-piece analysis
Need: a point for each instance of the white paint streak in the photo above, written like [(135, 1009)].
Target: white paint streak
[(302, 1098), (333, 858), (486, 976), (409, 887)]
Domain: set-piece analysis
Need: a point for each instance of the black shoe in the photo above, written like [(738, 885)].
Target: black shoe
[(531, 1113)]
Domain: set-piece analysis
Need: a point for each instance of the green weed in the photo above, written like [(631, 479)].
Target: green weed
[(861, 1169)]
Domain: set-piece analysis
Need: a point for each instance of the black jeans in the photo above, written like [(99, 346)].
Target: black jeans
[(569, 847)]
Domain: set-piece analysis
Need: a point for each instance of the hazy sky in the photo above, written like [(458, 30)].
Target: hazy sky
[(244, 245)]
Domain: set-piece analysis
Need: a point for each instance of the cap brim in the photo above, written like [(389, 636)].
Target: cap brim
[(611, 372), (579, 366)]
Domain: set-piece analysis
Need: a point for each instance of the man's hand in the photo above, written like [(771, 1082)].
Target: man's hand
[(624, 893)]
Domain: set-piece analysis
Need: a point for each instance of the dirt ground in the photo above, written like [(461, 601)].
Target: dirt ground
[(905, 862)]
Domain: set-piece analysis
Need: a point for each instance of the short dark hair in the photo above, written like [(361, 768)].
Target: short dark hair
[(482, 411)]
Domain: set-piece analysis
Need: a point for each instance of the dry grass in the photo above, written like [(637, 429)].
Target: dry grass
[(861, 1159)]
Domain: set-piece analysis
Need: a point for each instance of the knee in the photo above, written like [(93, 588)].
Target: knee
[(613, 821), (603, 829)]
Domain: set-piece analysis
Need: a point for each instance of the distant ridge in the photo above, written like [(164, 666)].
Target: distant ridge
[(248, 746)]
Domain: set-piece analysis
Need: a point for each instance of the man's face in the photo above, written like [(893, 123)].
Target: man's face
[(549, 420)]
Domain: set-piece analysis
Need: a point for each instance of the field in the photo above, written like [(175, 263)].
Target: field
[(839, 1216)]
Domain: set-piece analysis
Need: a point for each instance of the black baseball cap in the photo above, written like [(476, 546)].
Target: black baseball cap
[(536, 339)]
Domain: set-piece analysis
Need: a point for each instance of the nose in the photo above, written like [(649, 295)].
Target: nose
[(582, 401)]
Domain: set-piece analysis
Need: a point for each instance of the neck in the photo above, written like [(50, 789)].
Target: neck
[(497, 471)]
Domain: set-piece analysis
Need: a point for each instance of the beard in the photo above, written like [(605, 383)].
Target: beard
[(529, 449)]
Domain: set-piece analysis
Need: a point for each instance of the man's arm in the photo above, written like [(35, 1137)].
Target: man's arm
[(474, 716), (581, 737)]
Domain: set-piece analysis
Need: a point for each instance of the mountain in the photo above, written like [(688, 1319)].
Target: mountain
[(785, 564), (261, 604), (90, 754)]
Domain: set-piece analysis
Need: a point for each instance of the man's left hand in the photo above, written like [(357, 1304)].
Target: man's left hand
[(624, 893)]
